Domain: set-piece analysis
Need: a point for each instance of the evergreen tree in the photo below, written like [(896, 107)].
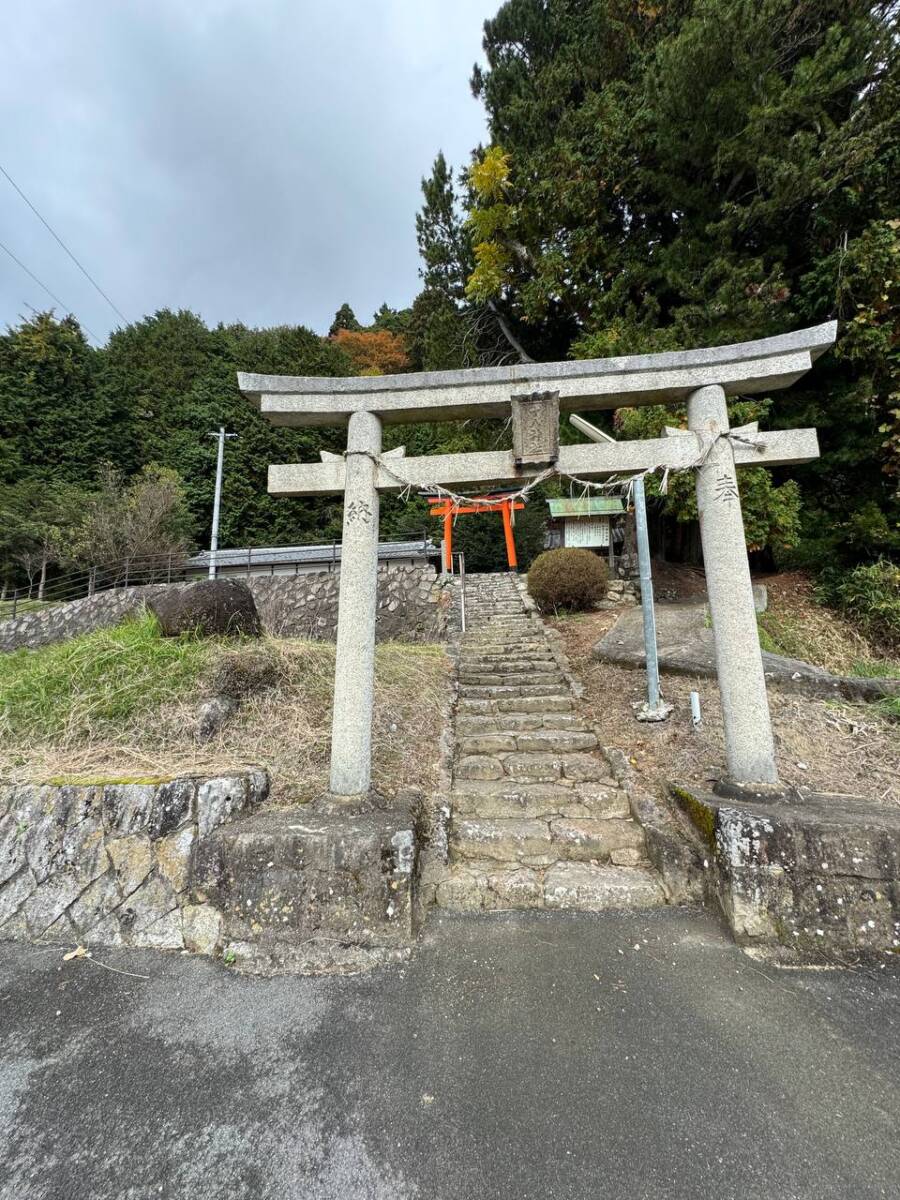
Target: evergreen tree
[(699, 172), (344, 318), (53, 423)]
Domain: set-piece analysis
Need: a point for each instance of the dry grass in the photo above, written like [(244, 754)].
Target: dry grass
[(286, 727), (842, 747), (800, 628)]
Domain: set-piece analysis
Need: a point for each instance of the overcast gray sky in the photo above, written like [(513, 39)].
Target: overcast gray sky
[(253, 160)]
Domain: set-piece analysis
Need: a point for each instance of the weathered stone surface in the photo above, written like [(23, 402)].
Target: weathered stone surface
[(127, 806), (291, 874), (579, 885), (132, 860), (479, 766), (744, 367), (213, 715), (506, 840), (627, 857), (804, 877), (592, 839), (172, 807), (559, 741), (209, 608), (108, 863), (414, 604), (218, 800), (507, 799), (56, 624), (533, 768), (557, 806), (463, 890), (603, 802), (487, 743), (687, 647), (537, 704), (202, 927), (174, 857), (497, 723), (92, 914), (13, 894), (582, 768)]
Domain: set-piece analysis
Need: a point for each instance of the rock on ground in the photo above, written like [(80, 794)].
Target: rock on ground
[(210, 608)]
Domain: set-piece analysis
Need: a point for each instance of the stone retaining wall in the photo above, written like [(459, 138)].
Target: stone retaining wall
[(63, 621), (413, 605), (113, 863)]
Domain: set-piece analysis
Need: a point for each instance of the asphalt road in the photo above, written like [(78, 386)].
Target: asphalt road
[(495, 1065)]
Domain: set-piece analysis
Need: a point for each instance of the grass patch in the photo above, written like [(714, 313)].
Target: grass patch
[(876, 668), (797, 626), (109, 677), (766, 641), (22, 607), (123, 704)]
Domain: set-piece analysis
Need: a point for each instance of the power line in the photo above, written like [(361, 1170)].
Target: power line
[(43, 285), (52, 231)]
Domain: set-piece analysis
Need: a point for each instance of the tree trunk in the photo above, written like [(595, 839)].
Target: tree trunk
[(42, 582)]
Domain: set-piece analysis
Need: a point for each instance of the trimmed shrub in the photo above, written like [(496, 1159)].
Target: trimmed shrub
[(570, 579)]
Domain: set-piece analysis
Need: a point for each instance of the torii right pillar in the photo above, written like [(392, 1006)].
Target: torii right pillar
[(749, 746)]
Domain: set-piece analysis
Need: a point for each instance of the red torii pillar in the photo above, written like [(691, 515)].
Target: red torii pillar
[(450, 509)]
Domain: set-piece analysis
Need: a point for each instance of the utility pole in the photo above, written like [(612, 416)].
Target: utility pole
[(655, 709), (217, 499)]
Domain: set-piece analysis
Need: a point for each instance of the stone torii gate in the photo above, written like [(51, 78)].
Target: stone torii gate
[(536, 393)]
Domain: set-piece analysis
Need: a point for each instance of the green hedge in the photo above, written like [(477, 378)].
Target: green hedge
[(567, 579)]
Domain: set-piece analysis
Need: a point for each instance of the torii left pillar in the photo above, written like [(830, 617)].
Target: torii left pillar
[(354, 674)]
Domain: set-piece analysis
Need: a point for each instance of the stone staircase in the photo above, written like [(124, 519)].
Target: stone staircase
[(536, 818)]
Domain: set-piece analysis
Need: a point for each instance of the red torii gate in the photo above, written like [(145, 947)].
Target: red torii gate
[(449, 509)]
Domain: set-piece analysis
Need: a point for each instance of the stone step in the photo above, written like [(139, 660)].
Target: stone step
[(511, 662), (486, 885), (493, 650), (517, 704), (477, 691), (289, 876), (515, 680), (516, 722), (542, 841), (477, 798), (560, 741), (531, 768)]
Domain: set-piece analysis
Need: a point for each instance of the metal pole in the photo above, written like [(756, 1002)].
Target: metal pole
[(462, 591), (217, 501), (643, 547), (217, 498)]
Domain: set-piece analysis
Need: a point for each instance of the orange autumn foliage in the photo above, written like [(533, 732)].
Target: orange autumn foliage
[(375, 351)]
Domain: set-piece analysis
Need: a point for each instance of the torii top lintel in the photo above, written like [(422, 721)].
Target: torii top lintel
[(743, 368)]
